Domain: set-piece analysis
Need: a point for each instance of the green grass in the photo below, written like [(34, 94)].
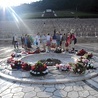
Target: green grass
[(32, 15), (61, 14), (75, 14)]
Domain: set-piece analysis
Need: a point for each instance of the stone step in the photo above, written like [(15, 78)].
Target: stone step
[(6, 52), (92, 83), (95, 79)]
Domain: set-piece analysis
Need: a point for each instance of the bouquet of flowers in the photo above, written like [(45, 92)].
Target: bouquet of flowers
[(82, 64), (24, 52), (26, 67), (63, 67), (83, 60), (15, 55), (16, 65), (58, 50), (10, 60), (88, 55), (79, 68), (81, 52), (39, 69)]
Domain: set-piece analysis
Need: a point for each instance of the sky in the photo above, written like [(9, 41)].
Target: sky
[(5, 3)]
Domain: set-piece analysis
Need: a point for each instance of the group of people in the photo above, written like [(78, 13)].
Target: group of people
[(64, 41), (26, 41)]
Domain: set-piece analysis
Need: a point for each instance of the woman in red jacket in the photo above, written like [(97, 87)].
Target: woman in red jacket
[(68, 41)]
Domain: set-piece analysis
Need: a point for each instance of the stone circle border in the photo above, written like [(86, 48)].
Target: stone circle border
[(49, 81)]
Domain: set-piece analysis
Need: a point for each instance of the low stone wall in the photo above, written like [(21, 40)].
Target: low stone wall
[(7, 41), (87, 39)]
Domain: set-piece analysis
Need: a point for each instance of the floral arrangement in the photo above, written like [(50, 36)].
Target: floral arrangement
[(16, 65), (78, 67), (88, 55), (58, 50), (81, 52), (30, 52), (24, 52), (10, 60), (82, 64), (63, 67), (15, 55), (26, 67), (39, 69)]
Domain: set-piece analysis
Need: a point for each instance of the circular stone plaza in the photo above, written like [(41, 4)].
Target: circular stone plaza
[(16, 83)]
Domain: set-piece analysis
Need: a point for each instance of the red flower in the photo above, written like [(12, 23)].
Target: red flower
[(81, 52), (90, 55), (26, 67), (13, 54), (15, 62), (36, 51), (39, 67), (13, 66), (24, 52), (10, 60), (30, 52), (32, 67)]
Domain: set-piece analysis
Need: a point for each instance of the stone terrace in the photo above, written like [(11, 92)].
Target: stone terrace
[(82, 27)]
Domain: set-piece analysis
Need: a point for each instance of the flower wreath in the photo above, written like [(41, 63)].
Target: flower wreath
[(39, 69)]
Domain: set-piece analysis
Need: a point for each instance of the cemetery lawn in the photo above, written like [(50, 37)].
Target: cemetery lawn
[(60, 14)]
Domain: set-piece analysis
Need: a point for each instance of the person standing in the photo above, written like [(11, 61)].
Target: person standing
[(58, 39), (25, 41), (68, 42), (28, 42), (43, 41), (48, 37), (73, 42), (64, 38), (22, 40), (15, 41), (37, 38), (54, 40)]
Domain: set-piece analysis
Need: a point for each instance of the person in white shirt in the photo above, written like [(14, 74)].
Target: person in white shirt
[(37, 38), (44, 41), (15, 41), (48, 42)]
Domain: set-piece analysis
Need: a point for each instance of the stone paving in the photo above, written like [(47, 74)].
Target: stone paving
[(81, 89), (69, 90)]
